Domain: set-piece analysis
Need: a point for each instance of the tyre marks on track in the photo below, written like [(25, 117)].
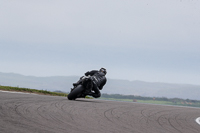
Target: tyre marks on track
[(174, 120), (31, 113)]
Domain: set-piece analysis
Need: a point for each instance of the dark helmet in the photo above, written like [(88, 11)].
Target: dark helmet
[(103, 70)]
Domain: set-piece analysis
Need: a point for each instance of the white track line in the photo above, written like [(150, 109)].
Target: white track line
[(198, 120), (17, 92)]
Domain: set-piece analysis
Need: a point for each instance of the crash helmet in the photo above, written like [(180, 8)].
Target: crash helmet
[(103, 70)]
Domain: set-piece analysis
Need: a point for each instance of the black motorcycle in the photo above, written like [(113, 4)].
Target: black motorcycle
[(82, 89)]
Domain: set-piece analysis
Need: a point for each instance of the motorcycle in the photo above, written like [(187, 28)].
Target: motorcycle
[(82, 89)]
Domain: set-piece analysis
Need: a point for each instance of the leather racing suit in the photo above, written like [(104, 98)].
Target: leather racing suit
[(99, 80)]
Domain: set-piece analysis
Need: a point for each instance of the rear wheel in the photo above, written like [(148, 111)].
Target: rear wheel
[(74, 94)]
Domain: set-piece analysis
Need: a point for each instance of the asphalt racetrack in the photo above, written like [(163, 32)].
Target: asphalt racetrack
[(29, 113)]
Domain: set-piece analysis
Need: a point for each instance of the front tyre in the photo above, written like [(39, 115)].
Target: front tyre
[(74, 94)]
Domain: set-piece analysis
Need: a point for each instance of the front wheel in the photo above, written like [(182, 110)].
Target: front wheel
[(74, 94)]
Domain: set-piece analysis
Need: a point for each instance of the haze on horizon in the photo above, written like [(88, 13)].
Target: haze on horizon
[(153, 41)]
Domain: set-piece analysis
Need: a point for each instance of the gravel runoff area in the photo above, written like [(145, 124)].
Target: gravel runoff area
[(20, 113)]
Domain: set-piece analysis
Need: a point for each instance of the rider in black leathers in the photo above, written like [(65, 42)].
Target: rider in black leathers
[(99, 80)]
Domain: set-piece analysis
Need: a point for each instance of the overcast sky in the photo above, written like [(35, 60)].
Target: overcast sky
[(148, 40)]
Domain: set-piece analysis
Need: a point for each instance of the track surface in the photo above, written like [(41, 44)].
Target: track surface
[(26, 113)]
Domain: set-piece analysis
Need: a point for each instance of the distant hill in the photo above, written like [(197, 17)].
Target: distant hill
[(113, 86)]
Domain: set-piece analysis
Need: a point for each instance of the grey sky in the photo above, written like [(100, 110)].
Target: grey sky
[(149, 40)]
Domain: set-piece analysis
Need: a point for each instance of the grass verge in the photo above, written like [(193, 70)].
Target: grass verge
[(27, 90), (41, 92), (180, 103)]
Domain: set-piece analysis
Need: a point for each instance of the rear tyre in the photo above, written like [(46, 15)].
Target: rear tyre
[(74, 94)]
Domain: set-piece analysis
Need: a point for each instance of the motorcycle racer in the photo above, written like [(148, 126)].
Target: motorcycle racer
[(98, 81)]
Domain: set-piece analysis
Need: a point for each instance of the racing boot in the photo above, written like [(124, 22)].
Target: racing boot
[(77, 83), (88, 92)]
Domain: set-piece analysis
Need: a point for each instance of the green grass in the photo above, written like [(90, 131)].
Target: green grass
[(41, 92), (183, 103), (44, 92), (155, 102)]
